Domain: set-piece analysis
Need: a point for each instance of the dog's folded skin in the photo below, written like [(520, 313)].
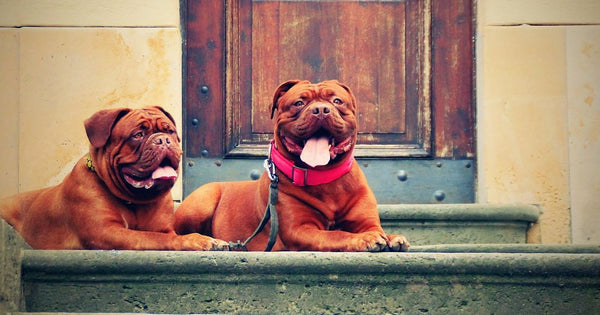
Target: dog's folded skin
[(117, 196), (315, 129)]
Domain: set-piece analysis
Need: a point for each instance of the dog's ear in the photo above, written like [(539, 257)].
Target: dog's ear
[(284, 87), (99, 126)]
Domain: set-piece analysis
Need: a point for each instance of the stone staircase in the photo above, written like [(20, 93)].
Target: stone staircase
[(478, 264)]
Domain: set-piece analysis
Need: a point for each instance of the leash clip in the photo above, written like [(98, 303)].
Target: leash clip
[(270, 168)]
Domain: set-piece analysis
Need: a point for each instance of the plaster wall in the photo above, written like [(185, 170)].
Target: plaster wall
[(538, 113), (583, 88)]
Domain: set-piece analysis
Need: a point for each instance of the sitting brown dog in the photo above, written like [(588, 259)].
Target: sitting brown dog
[(324, 201), (116, 197)]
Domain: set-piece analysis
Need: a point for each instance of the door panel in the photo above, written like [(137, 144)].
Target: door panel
[(367, 45), (408, 62), (363, 45)]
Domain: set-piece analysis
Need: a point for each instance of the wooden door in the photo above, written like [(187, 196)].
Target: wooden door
[(408, 62)]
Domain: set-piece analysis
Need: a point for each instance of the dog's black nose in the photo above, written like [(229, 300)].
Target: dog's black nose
[(161, 140), (321, 110)]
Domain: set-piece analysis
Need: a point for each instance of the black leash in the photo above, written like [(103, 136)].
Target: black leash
[(270, 213)]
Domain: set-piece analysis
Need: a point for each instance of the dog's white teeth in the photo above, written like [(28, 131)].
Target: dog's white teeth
[(138, 185), (147, 184)]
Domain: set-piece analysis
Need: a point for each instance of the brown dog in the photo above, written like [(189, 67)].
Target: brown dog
[(324, 201), (118, 196)]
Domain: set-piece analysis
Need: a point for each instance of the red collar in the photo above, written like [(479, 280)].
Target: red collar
[(308, 176)]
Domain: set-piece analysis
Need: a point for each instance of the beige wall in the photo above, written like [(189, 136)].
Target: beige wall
[(64, 60), (583, 86), (538, 66)]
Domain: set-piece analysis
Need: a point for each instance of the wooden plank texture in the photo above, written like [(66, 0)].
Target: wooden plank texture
[(452, 78), (204, 68), (364, 45)]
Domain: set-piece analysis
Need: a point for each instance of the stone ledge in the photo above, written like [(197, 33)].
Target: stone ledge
[(509, 248), (63, 263), (461, 212), (309, 282)]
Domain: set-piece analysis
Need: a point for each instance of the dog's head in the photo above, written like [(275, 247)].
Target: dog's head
[(316, 123), (136, 152)]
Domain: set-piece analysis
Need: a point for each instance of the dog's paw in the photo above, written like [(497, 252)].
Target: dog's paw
[(370, 242), (219, 245), (398, 243), (195, 241)]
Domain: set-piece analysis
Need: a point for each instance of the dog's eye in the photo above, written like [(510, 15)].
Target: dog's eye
[(338, 101), (138, 136), (299, 103)]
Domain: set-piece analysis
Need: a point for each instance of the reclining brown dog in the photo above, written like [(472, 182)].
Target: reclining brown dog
[(324, 201), (118, 196)]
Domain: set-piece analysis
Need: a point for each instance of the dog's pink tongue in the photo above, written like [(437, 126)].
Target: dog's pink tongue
[(165, 172), (316, 151)]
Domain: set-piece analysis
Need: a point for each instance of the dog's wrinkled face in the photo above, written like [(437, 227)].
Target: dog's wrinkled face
[(316, 123), (135, 152)]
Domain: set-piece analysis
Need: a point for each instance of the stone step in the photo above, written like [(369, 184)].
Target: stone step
[(521, 279), (426, 224)]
